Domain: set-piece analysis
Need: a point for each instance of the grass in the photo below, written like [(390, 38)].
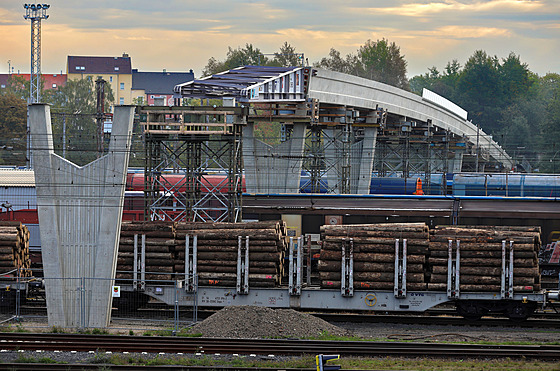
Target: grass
[(388, 363), (30, 359)]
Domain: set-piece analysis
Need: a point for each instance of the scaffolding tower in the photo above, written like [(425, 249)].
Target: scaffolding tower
[(193, 168)]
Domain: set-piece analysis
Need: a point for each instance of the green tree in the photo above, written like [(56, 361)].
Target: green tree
[(74, 108), (249, 55), (288, 56), (382, 61), (375, 60), (13, 129)]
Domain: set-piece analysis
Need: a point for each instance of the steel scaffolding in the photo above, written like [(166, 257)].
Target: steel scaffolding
[(193, 166)]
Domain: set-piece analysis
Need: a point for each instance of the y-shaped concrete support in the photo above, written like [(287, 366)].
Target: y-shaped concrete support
[(80, 212)]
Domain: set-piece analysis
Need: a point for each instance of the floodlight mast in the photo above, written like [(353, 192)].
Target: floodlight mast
[(34, 13)]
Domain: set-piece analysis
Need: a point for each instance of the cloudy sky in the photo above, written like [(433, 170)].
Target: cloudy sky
[(180, 35)]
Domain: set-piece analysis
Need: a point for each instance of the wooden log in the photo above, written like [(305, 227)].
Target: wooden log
[(150, 234), (147, 226), (152, 262), (413, 227), (484, 254), (231, 283), (362, 247), (232, 256), (485, 262), (231, 234), (9, 237), (159, 269), (269, 224), (6, 250), (149, 241), (149, 248), (470, 239), (479, 246), (361, 285), (148, 255), (488, 271), (229, 242), (482, 280), (335, 266), (234, 248), (262, 264), (372, 276), (233, 276), (7, 256), (233, 269), (483, 288), (376, 240), (411, 235), (371, 257)]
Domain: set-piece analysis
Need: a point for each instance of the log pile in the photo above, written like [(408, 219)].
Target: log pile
[(481, 257), (14, 250), (217, 246), (160, 248), (374, 254)]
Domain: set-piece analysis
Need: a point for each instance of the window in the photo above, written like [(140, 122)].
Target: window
[(121, 100), (54, 86), (116, 68), (80, 68), (110, 78), (122, 85), (3, 86)]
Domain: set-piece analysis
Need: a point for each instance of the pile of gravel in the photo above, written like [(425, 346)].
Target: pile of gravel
[(248, 322)]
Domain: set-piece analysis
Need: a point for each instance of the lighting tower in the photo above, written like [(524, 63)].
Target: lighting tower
[(35, 12)]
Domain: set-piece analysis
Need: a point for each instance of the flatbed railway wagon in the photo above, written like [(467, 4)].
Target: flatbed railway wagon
[(401, 267)]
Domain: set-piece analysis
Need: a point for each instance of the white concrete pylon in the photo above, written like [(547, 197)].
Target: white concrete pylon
[(80, 213)]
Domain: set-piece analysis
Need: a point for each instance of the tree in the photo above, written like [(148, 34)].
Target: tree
[(13, 129), (515, 76), (249, 55), (334, 62), (382, 61), (375, 60), (74, 110), (288, 56)]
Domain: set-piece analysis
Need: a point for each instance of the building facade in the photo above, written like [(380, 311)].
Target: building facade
[(116, 71)]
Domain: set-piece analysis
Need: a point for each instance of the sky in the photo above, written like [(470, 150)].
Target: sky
[(182, 35)]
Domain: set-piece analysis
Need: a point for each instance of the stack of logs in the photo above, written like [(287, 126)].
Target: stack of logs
[(374, 254), (159, 249), (14, 250), (217, 246), (481, 257)]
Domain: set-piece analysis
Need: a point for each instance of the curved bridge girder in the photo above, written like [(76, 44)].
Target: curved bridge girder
[(347, 90)]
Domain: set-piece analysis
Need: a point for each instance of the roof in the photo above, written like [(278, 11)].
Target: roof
[(17, 178), (233, 83), (50, 79), (159, 82), (101, 65)]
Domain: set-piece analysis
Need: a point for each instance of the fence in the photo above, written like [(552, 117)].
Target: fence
[(144, 305)]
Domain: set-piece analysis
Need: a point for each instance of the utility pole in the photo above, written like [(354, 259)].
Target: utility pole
[(34, 13), (100, 114)]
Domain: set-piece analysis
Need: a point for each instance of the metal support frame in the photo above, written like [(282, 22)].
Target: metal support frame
[(191, 277), (453, 270), (201, 147), (242, 284), (347, 268), (294, 265), (139, 264), (399, 289), (507, 270)]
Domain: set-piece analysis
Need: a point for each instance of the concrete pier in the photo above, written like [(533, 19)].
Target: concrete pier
[(80, 212)]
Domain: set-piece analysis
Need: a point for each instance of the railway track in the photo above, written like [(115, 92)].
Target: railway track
[(437, 317), (210, 346)]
